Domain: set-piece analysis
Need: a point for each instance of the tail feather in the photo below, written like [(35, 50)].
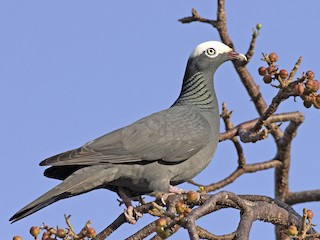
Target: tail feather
[(81, 181), (35, 206)]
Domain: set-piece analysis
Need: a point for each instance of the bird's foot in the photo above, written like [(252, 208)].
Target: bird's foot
[(132, 215), (172, 190)]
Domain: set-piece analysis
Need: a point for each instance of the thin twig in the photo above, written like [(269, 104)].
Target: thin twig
[(276, 118), (252, 45), (226, 115), (248, 168), (197, 18)]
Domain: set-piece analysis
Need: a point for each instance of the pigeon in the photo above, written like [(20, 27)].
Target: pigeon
[(153, 154)]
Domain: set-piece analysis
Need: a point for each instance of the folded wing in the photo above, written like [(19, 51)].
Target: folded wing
[(170, 136)]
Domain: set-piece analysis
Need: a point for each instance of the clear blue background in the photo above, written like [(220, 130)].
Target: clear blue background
[(71, 71)]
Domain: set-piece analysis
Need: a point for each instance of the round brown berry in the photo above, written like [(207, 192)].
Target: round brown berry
[(267, 78), (272, 69), (17, 238), (310, 74), (61, 233), (46, 236), (187, 211), (161, 222), (312, 85), (90, 233), (34, 231), (292, 230), (181, 207), (273, 57), (299, 89), (309, 214), (283, 73), (262, 71), (193, 196)]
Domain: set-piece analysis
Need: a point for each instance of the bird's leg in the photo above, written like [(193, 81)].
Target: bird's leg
[(130, 213), (172, 190)]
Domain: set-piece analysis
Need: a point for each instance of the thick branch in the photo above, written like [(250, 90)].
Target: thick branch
[(204, 234), (304, 196), (284, 153), (245, 225), (251, 208), (143, 232)]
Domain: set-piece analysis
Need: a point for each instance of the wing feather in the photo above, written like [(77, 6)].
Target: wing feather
[(172, 135)]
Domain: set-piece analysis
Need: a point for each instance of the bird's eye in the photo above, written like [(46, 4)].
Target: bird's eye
[(211, 52)]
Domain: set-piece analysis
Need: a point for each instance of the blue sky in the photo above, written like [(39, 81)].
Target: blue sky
[(71, 71)]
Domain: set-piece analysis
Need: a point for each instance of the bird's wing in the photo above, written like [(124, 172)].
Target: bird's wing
[(172, 136), (107, 148)]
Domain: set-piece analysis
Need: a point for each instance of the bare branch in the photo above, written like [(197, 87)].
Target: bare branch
[(248, 168), (197, 18), (245, 224), (252, 45), (226, 115), (204, 234), (251, 211), (276, 118), (304, 196), (119, 221), (294, 70), (143, 232)]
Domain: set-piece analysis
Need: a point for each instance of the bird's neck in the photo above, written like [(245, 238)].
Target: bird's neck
[(198, 90)]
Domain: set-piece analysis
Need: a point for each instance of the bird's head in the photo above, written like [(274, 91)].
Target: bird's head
[(208, 56)]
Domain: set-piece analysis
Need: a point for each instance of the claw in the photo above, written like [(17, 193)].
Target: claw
[(138, 214), (132, 215), (165, 197)]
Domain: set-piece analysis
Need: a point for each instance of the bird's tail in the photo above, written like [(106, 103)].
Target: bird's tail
[(41, 202), (81, 181)]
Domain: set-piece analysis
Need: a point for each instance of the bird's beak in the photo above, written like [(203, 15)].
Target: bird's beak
[(236, 56)]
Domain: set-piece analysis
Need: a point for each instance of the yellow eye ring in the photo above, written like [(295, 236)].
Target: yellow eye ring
[(210, 52)]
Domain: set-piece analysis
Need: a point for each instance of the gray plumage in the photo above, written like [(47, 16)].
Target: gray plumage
[(166, 148)]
